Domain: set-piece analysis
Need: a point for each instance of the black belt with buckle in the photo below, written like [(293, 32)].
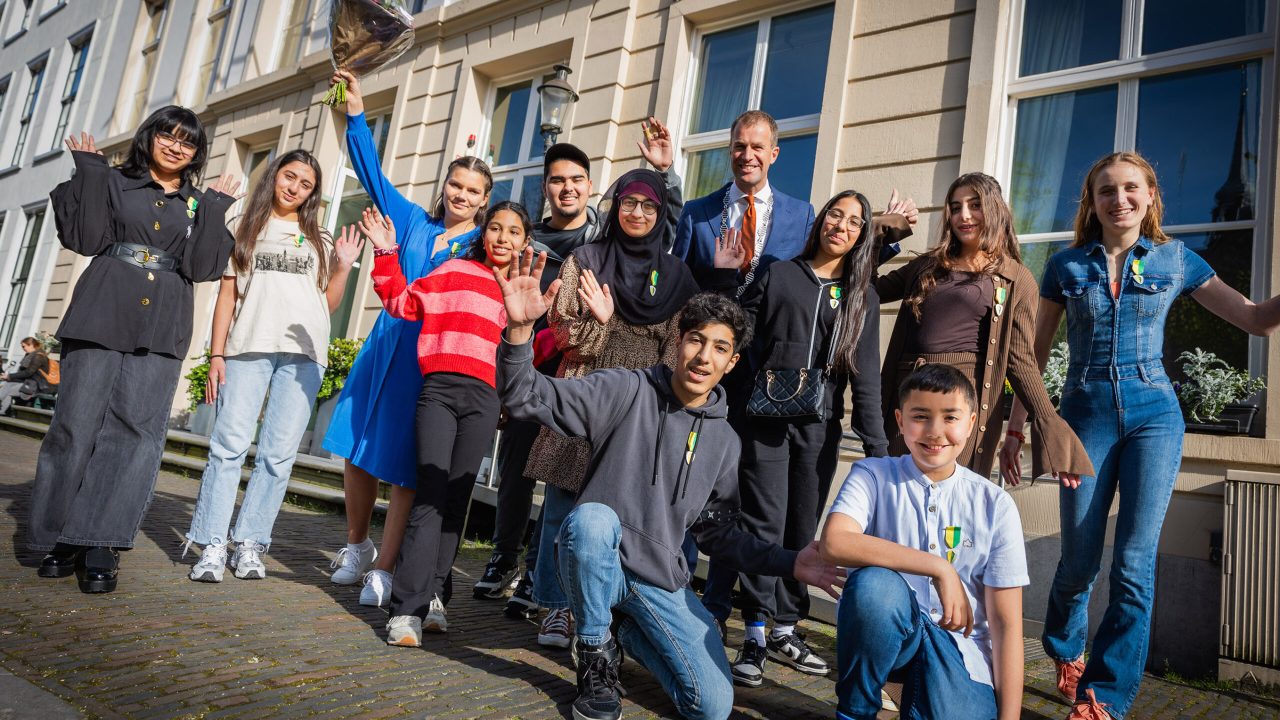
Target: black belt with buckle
[(143, 256)]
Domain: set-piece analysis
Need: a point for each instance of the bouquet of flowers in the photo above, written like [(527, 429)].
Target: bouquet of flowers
[(364, 35)]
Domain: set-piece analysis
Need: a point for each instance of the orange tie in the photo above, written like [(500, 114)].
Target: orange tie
[(749, 232)]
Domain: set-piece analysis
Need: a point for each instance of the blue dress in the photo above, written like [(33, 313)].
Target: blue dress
[(373, 424)]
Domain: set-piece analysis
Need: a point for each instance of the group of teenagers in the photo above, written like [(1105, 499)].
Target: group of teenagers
[(642, 360)]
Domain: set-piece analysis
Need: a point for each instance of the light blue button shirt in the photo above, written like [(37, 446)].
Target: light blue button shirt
[(964, 515)]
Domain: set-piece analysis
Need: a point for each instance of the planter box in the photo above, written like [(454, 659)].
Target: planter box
[(324, 413), (201, 422), (1235, 420)]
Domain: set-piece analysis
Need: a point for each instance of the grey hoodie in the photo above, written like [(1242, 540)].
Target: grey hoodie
[(662, 467)]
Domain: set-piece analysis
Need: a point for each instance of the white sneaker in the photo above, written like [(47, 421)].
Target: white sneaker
[(213, 561), (377, 588), (556, 629), (353, 562), (436, 621), (248, 561), (404, 631)]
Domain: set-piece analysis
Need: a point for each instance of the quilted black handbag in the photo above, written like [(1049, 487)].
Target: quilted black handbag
[(793, 393)]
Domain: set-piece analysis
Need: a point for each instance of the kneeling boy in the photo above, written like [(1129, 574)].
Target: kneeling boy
[(664, 460), (935, 599)]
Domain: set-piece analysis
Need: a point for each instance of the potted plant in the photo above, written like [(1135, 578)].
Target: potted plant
[(202, 413), (1055, 372), (1212, 392), (342, 355)]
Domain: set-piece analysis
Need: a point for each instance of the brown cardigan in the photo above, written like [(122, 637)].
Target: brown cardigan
[(1008, 351)]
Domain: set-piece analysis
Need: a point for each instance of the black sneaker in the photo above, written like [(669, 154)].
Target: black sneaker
[(499, 575), (794, 651), (521, 606), (599, 692), (748, 667)]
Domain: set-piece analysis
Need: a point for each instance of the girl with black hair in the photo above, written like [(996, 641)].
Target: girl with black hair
[(151, 234), (818, 313), (270, 340), (460, 307)]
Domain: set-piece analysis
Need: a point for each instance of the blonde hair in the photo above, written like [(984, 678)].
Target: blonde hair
[(1088, 227)]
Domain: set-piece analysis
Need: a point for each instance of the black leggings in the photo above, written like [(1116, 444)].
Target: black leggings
[(456, 418)]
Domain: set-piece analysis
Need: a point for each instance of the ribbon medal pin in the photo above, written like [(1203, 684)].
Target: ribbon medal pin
[(653, 282), (1002, 294), (836, 293), (690, 445), (299, 239), (453, 249), (1138, 266), (951, 536), (192, 204)]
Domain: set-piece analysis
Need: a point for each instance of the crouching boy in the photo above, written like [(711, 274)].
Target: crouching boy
[(664, 461), (934, 599)]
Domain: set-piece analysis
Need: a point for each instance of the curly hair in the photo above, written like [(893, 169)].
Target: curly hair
[(706, 308)]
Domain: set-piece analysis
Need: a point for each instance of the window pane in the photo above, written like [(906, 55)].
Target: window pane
[(1035, 255), (707, 171), (354, 201), (1206, 159), (531, 195), (501, 191), (793, 172), (509, 111), (796, 65), (1056, 139), (724, 81), (1189, 325), (1060, 34), (1170, 24)]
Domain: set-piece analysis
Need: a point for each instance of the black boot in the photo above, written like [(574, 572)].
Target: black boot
[(599, 692), (97, 569), (60, 562)]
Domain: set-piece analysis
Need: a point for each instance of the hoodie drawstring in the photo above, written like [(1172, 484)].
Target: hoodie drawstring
[(657, 449), (690, 452)]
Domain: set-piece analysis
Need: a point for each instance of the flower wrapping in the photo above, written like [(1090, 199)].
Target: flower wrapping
[(364, 35)]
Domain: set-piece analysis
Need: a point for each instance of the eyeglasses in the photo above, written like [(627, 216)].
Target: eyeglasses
[(167, 140), (837, 218), (629, 205)]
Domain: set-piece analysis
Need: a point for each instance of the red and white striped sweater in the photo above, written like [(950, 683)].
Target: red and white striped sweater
[(460, 306)]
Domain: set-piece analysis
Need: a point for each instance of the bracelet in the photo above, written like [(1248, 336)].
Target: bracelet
[(383, 252), (223, 357), (1018, 434)]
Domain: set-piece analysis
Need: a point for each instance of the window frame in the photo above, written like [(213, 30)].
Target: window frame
[(36, 71), (303, 33), (80, 45), (149, 49), (521, 170), (24, 261)]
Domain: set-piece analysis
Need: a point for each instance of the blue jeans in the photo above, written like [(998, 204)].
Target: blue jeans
[(669, 633), (882, 635), (290, 382), (556, 504), (1132, 429)]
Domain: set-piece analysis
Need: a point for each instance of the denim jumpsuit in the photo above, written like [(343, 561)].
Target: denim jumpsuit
[(1121, 404)]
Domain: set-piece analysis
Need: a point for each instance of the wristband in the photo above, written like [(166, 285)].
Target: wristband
[(223, 357), (382, 252), (1015, 433)]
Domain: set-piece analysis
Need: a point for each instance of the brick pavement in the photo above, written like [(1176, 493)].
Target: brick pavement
[(297, 645)]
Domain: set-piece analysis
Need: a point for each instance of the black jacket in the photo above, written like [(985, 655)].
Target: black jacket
[(643, 466), (28, 373), (122, 306)]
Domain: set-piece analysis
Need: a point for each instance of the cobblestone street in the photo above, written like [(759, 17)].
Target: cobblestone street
[(296, 645)]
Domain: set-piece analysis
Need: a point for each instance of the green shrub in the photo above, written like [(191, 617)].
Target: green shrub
[(1212, 384), (1055, 371), (196, 380), (342, 354)]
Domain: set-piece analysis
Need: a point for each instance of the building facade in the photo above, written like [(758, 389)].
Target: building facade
[(869, 94)]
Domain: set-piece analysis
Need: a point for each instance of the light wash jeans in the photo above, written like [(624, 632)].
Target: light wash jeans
[(556, 504), (881, 634), (669, 633), (289, 382)]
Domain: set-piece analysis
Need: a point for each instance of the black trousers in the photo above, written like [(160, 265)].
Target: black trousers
[(515, 494), (98, 463), (785, 475), (456, 419)]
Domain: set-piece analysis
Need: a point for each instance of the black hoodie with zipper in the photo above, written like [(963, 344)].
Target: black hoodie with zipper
[(662, 467)]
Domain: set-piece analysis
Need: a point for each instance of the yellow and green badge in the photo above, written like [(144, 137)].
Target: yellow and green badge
[(1002, 294), (192, 204), (454, 248), (836, 293), (653, 287), (951, 536), (689, 446), (299, 239), (1138, 265)]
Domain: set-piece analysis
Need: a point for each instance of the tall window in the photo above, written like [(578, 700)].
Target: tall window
[(515, 145), (4, 93), (21, 273), (207, 77), (1095, 76), (154, 11), (351, 201), (28, 108), (777, 64), (27, 7), (71, 87), (294, 34)]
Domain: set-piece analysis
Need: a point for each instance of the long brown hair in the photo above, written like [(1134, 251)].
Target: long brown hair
[(258, 211), (998, 239), (1087, 226), (466, 162), (855, 276)]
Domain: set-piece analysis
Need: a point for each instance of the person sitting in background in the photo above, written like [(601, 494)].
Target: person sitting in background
[(28, 380)]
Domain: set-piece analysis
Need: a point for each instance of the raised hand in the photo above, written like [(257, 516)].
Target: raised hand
[(227, 185), (84, 144), (346, 249), (596, 297), (378, 228), (522, 294), (904, 207), (656, 147), (811, 569), (729, 250), (355, 98), (216, 378)]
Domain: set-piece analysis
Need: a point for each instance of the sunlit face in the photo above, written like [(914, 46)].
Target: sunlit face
[(705, 354), (504, 238), (464, 194), (751, 152), (936, 427), (294, 184), (841, 227), (637, 214), (27, 347), (964, 210), (171, 151), (1121, 197), (567, 189)]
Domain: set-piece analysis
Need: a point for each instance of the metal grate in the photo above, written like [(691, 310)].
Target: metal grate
[(1251, 569)]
